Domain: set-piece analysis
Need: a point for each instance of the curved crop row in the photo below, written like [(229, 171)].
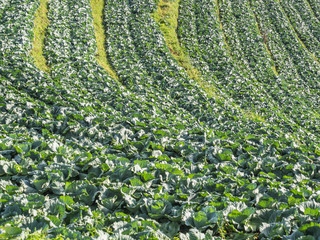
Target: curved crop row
[(293, 60), (207, 26), (246, 44), (167, 18), (69, 125), (315, 6), (83, 157), (303, 30), (144, 63), (308, 17), (303, 61), (209, 49)]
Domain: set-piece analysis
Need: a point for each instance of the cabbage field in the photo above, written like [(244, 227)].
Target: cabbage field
[(106, 134)]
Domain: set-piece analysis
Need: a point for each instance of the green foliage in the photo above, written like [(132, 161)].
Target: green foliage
[(83, 157)]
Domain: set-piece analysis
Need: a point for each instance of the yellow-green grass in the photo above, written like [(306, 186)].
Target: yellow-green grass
[(167, 18), (38, 235), (40, 25), (250, 115), (101, 56)]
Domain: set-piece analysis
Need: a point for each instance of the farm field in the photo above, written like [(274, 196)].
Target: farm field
[(160, 119)]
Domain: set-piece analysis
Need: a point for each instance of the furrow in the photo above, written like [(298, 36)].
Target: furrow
[(101, 55), (41, 23)]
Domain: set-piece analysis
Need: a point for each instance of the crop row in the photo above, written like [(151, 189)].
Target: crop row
[(273, 85), (87, 188), (141, 48), (315, 7), (294, 59), (82, 156), (305, 25), (217, 59), (302, 60), (276, 93), (76, 120), (136, 45), (55, 140), (246, 43)]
